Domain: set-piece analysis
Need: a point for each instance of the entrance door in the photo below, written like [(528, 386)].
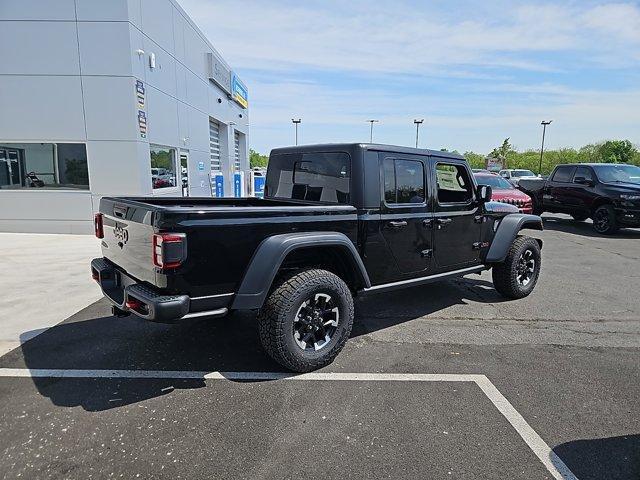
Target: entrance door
[(458, 222), (405, 219), (184, 172), (10, 167)]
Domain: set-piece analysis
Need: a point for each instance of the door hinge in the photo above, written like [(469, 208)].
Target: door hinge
[(426, 253), (478, 218), (479, 245)]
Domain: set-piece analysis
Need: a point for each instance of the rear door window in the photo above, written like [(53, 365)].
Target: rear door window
[(403, 181), (563, 174)]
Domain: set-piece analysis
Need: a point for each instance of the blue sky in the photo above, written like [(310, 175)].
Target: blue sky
[(477, 72)]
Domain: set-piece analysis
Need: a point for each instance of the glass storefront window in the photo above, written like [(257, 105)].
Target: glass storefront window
[(43, 165), (163, 166)]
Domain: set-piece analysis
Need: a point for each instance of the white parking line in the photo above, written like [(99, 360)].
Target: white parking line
[(538, 446)]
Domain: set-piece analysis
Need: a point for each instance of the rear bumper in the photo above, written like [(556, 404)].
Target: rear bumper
[(130, 296)]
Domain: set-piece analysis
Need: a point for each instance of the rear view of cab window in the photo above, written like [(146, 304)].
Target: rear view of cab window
[(314, 177)]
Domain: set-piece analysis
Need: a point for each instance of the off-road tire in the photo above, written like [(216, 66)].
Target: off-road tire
[(611, 223), (580, 217), (505, 274), (277, 316)]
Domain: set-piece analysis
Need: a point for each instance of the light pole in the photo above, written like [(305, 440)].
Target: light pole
[(544, 124), (371, 129), (296, 123), (418, 123)]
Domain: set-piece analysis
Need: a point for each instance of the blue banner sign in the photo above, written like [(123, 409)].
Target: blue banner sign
[(258, 186), (219, 185), (237, 184), (239, 91)]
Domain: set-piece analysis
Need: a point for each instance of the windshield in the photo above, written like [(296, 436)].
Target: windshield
[(618, 173), (493, 181), (523, 173)]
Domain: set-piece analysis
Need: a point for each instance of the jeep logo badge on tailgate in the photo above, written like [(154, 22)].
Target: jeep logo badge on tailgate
[(121, 235)]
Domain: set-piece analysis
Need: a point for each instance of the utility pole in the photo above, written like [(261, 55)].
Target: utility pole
[(418, 123), (371, 129), (296, 123), (544, 124)]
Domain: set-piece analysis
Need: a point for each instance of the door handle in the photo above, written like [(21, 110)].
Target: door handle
[(397, 224), (443, 222)]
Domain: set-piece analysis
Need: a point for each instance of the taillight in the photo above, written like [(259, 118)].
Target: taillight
[(169, 250), (97, 225)]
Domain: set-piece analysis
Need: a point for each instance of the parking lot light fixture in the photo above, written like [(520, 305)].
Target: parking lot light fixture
[(371, 129), (296, 123), (418, 123), (544, 124)]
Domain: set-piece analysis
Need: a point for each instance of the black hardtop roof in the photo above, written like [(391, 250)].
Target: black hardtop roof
[(341, 147)]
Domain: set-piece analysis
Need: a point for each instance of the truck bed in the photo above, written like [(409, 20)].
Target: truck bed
[(221, 235)]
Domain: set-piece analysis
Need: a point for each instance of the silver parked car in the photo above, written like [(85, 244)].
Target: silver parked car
[(513, 176)]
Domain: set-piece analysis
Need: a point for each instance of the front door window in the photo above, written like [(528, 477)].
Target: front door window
[(456, 226)]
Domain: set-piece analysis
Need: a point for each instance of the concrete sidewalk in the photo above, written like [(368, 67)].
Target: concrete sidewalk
[(44, 279)]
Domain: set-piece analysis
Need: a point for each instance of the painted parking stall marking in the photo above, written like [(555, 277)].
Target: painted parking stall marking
[(538, 446)]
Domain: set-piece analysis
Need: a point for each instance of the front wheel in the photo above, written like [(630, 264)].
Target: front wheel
[(518, 274), (306, 320), (604, 220)]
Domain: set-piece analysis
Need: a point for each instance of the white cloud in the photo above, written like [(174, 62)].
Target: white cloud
[(337, 63)]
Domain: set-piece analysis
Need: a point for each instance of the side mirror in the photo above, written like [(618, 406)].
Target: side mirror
[(484, 193), (583, 181)]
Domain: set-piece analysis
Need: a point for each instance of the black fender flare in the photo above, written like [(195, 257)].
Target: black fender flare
[(507, 231), (270, 254)]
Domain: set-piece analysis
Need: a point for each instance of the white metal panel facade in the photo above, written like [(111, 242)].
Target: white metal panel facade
[(72, 90)]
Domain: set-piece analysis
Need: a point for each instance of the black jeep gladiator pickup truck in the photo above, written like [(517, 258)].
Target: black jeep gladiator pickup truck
[(607, 193), (337, 221)]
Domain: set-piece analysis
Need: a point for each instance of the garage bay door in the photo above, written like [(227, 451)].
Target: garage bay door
[(214, 145), (236, 157)]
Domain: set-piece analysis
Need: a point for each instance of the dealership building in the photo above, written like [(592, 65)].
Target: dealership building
[(112, 97)]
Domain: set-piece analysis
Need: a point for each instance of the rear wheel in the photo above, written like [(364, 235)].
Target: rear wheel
[(604, 220), (518, 274), (306, 320)]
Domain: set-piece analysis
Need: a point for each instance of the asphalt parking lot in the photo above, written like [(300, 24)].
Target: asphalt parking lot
[(566, 360)]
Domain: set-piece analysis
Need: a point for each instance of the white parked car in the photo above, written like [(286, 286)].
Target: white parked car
[(513, 176)]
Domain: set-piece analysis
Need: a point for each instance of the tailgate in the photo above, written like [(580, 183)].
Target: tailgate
[(128, 236)]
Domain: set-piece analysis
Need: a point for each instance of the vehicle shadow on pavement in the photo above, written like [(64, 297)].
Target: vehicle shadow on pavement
[(594, 459), (384, 310), (92, 339), (585, 229)]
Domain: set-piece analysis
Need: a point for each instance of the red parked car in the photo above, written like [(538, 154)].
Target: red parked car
[(504, 192)]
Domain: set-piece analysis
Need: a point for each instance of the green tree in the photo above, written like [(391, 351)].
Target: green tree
[(617, 151), (257, 160), (475, 159), (502, 152)]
